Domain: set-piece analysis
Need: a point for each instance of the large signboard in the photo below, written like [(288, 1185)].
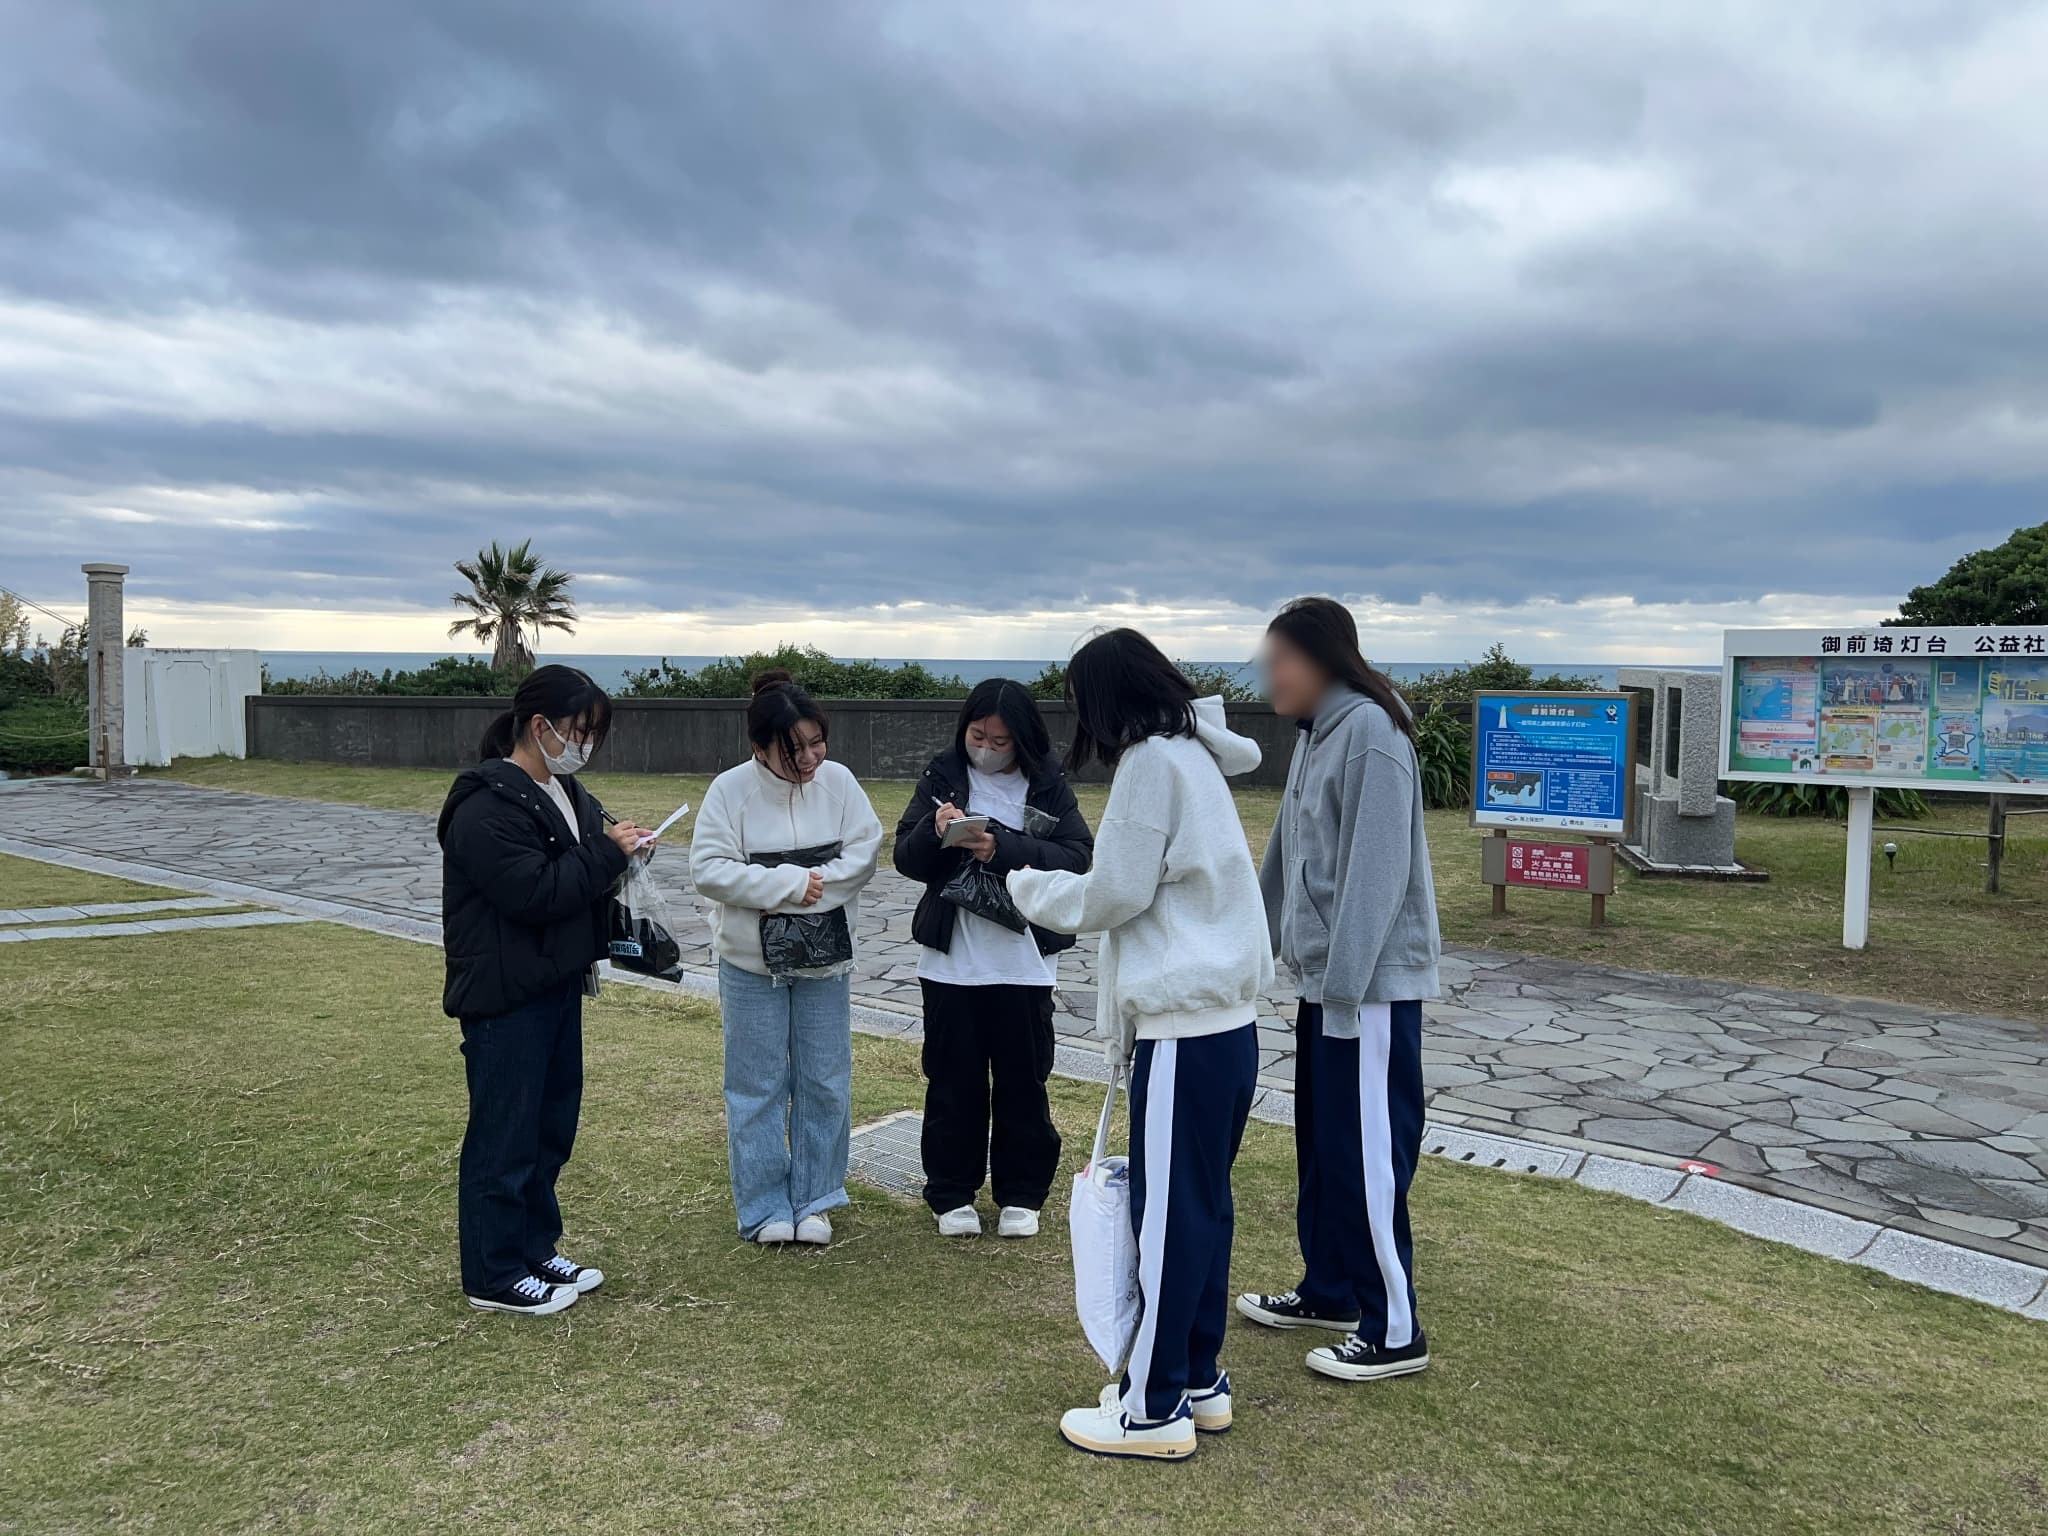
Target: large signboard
[(1561, 761), (1949, 709)]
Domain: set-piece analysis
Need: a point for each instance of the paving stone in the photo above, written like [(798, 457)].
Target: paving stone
[(1981, 1226), (1673, 1137), (1965, 1157)]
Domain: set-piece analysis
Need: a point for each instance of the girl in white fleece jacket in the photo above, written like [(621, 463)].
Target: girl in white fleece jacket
[(1184, 958), (785, 840)]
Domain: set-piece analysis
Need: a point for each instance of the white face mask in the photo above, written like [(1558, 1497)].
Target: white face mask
[(573, 756), (989, 760)]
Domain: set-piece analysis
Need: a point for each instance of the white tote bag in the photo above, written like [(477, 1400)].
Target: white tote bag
[(1105, 1248)]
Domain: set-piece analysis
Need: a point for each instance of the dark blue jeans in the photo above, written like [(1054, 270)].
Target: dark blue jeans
[(525, 1072)]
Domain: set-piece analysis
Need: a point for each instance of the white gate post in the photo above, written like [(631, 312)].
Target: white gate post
[(1856, 883)]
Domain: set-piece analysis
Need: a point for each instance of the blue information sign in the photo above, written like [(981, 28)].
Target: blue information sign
[(1555, 760)]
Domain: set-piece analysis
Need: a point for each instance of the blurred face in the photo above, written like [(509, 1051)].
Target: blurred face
[(1294, 683), (810, 752)]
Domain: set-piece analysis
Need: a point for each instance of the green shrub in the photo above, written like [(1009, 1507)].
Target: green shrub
[(452, 677), (732, 677), (1443, 748), (42, 735), (1495, 671), (1829, 800)]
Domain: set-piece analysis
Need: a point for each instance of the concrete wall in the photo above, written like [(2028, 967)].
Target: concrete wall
[(186, 703), (876, 738)]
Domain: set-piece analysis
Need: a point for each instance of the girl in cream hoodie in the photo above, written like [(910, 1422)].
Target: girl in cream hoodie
[(782, 847), (1184, 957)]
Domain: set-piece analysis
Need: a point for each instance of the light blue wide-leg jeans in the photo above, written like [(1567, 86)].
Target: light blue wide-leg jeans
[(788, 1094)]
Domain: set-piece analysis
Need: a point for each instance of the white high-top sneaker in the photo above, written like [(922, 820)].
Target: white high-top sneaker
[(1017, 1221), (961, 1221), (1106, 1430), (815, 1230)]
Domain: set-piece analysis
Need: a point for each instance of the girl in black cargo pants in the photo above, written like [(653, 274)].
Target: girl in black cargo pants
[(988, 984)]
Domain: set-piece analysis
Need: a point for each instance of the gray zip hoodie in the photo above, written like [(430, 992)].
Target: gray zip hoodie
[(1349, 900)]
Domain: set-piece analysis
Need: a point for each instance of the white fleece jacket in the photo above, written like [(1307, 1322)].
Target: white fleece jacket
[(748, 810), (1172, 892)]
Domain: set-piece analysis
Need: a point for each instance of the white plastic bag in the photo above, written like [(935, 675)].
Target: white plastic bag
[(1105, 1247)]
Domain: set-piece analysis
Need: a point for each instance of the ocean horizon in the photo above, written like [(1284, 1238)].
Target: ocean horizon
[(610, 670)]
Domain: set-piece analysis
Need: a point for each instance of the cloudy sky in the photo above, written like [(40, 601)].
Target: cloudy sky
[(952, 330)]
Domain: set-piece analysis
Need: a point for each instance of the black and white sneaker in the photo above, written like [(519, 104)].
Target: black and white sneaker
[(1357, 1360), (531, 1296), (1286, 1311), (560, 1271)]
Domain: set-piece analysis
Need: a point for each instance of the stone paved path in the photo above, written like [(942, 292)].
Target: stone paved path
[(1928, 1121)]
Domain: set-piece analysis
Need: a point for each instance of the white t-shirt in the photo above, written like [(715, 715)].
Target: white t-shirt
[(986, 954), (554, 791)]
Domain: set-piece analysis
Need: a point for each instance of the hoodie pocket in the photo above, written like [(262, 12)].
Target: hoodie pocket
[(1311, 934)]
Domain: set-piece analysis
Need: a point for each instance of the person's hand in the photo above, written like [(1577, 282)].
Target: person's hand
[(814, 887), (982, 845), (626, 835), (945, 816)]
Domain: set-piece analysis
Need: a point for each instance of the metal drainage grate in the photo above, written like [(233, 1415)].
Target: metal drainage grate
[(886, 1153), (1497, 1152)]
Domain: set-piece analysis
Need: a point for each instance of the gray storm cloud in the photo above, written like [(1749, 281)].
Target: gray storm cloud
[(1031, 306)]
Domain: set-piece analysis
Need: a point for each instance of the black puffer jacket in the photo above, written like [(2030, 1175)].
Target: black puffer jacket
[(919, 856), (523, 909)]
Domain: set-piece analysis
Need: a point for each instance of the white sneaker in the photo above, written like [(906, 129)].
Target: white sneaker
[(776, 1232), (1211, 1407), (1106, 1430), (1017, 1221), (961, 1221), (815, 1230)]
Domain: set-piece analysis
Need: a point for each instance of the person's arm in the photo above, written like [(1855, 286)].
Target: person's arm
[(1069, 846), (719, 867), (513, 871), (860, 839), (918, 854), (1372, 874), (1130, 861), (1273, 876)]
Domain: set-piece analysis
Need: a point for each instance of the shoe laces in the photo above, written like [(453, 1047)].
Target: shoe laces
[(559, 1266), (1356, 1348), (531, 1288), (1286, 1299)]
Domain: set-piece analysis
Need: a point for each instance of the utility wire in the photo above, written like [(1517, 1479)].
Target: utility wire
[(39, 608)]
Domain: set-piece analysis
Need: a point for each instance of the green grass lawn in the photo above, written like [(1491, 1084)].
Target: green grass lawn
[(1936, 938), (228, 1303), (26, 883)]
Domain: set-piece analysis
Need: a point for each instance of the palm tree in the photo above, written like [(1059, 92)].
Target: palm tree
[(511, 594)]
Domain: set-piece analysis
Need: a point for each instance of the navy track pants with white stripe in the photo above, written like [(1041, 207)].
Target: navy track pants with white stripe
[(1189, 1103), (1357, 1135)]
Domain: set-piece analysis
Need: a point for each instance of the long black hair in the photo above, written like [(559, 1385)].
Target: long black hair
[(550, 693), (1011, 702), (1322, 629), (778, 707), (1123, 689)]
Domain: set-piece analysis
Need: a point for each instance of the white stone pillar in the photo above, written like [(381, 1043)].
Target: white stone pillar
[(106, 639)]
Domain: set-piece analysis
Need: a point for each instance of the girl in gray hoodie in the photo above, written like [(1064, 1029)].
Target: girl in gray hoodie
[(1352, 912)]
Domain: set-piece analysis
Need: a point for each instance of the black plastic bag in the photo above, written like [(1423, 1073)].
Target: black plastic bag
[(980, 890), (640, 939), (806, 944)]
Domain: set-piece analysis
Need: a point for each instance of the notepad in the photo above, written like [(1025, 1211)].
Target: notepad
[(958, 832)]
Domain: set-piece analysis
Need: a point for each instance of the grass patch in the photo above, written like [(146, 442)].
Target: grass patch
[(228, 1303), (1926, 915), (32, 883)]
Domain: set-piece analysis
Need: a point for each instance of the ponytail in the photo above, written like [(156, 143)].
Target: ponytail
[(500, 736)]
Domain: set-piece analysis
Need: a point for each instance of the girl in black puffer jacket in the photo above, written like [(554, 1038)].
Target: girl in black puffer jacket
[(528, 865)]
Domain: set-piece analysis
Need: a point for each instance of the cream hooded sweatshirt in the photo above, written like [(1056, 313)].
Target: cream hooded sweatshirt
[(1172, 892)]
